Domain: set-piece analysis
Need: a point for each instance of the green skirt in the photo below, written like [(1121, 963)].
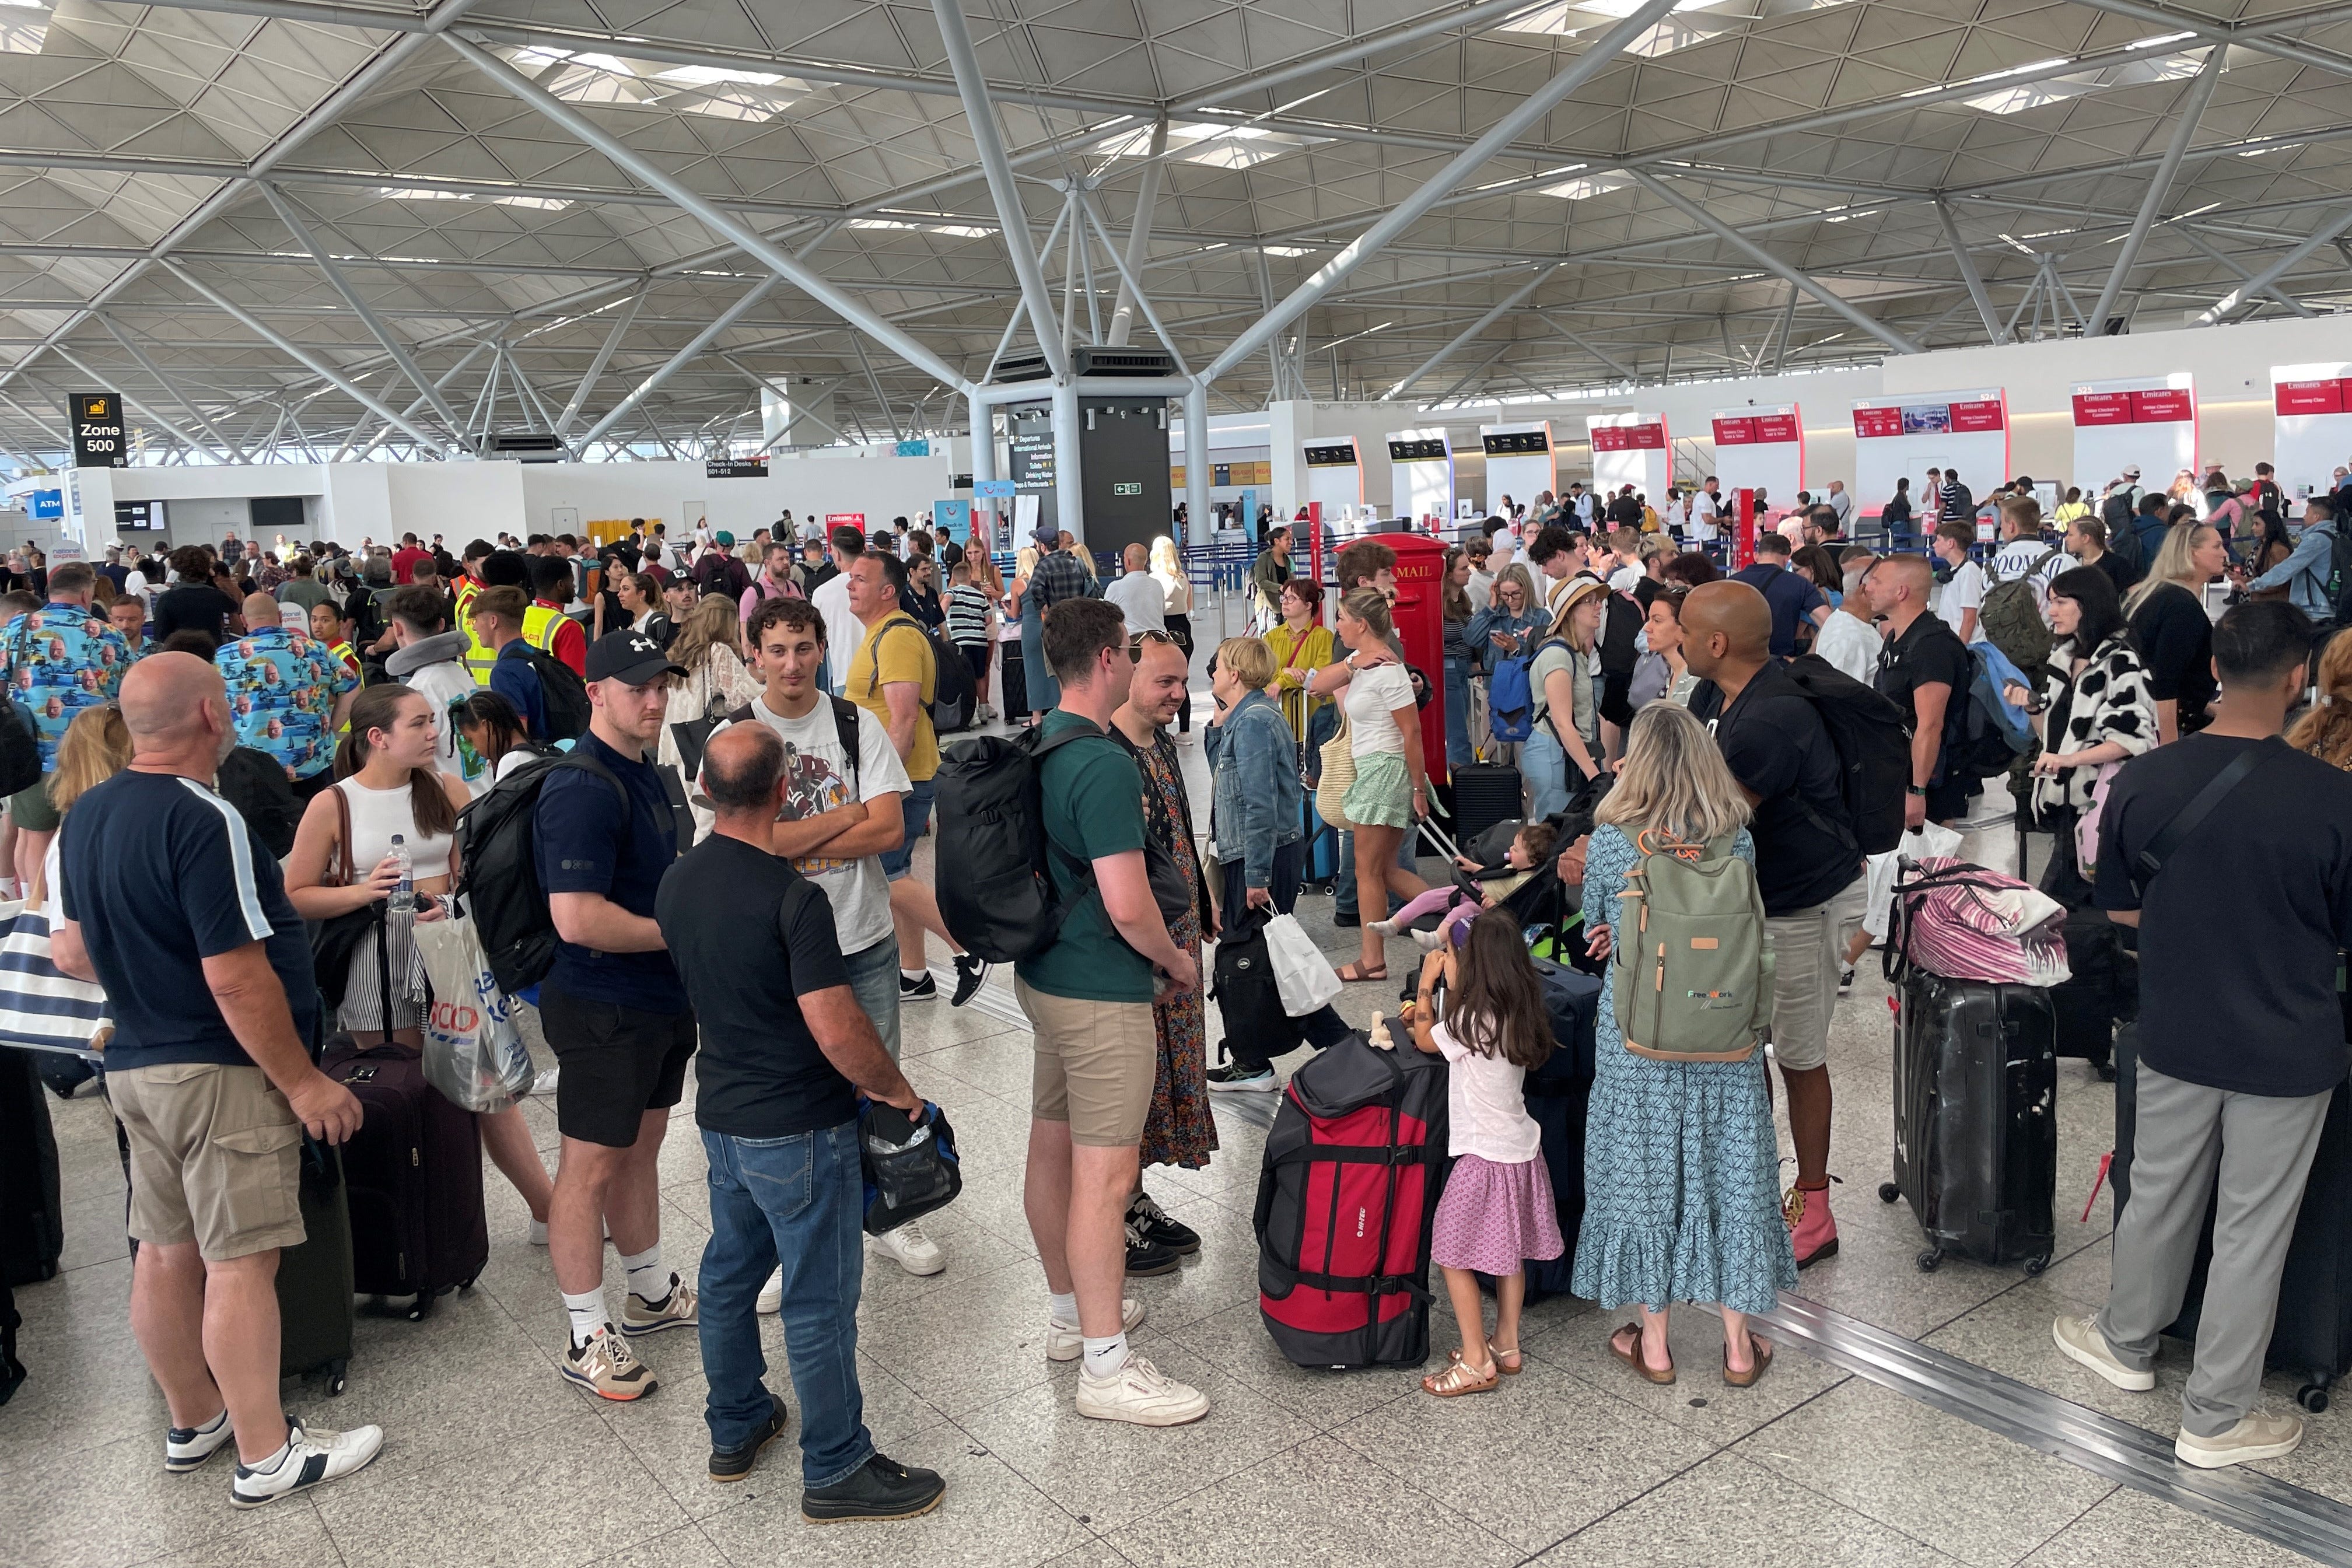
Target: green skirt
[(1381, 796)]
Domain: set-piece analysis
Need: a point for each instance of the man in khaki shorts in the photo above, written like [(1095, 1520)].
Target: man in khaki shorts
[(1089, 998), (173, 904)]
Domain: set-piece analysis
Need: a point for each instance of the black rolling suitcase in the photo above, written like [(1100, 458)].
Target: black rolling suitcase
[(2103, 991), (1558, 1094), (1484, 795), (1013, 696), (1976, 1119), (413, 1176), (32, 1213), (2312, 1335), (314, 1280)]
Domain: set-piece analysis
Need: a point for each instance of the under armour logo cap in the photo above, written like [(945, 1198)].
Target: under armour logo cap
[(631, 657)]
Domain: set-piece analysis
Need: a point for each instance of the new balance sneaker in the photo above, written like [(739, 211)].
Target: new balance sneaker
[(1141, 1393), (922, 990), (912, 1250), (971, 974), (881, 1488), (1174, 1235), (1232, 1077), (606, 1367), (771, 1299), (2079, 1339), (734, 1463), (2257, 1435), (1068, 1344), (1145, 1256), (187, 1447), (675, 1310), (312, 1455)]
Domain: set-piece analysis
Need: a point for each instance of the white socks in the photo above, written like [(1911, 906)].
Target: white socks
[(587, 1313), (1105, 1357), (911, 975), (1061, 1309), (647, 1282)]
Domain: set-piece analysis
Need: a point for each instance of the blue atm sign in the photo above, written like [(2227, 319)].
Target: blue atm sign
[(46, 503)]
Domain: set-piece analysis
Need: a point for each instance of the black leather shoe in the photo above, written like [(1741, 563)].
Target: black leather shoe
[(880, 1489), (1346, 922), (734, 1463)]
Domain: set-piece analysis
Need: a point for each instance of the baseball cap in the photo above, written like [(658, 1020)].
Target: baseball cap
[(629, 655), (2131, 471), (1047, 534), (725, 540)]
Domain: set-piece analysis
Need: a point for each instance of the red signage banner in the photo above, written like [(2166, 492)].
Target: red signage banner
[(1735, 432), (2305, 396), (2103, 408), (1607, 438), (1983, 414), (2165, 405), (1628, 438), (1775, 427), (1868, 421)]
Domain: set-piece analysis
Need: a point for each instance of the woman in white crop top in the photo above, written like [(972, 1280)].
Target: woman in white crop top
[(388, 783), (1390, 791)]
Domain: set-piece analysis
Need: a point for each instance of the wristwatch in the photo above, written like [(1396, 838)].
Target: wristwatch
[(1916, 789)]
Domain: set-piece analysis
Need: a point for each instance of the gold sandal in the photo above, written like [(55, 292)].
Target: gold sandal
[(1458, 1379), (1509, 1362), (1632, 1355)]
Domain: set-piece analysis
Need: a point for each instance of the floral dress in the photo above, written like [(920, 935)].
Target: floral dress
[(1682, 1172), (1179, 1129)]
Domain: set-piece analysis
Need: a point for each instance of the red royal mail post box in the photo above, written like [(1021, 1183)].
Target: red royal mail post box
[(1421, 625)]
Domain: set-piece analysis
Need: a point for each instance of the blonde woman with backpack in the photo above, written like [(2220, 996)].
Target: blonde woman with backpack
[(1681, 1167)]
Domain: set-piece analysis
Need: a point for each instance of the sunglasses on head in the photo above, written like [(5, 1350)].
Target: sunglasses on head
[(1135, 644)]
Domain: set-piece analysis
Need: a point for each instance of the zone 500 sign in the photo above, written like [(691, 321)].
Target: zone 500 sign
[(97, 419)]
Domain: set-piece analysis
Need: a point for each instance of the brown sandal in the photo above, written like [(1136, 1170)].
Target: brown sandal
[(1360, 974), (1509, 1362), (1632, 1355), (1458, 1379), (1762, 1351)]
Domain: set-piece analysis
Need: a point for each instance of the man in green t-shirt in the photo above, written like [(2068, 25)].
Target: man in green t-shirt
[(1089, 1000)]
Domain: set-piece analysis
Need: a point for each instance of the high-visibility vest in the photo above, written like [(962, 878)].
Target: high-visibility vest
[(540, 626), (480, 656)]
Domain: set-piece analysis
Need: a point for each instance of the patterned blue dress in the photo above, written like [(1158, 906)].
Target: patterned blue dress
[(1682, 1174)]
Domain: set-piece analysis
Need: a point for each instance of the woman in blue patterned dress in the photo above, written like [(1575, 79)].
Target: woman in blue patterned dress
[(1681, 1168)]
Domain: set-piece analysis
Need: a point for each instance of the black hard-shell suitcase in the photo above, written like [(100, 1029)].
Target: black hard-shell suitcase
[(2312, 1334), (1558, 1094), (1484, 795), (32, 1212), (314, 1280), (1976, 1119), (1013, 685), (414, 1174)]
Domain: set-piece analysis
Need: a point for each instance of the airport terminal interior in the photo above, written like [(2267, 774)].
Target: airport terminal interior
[(309, 283)]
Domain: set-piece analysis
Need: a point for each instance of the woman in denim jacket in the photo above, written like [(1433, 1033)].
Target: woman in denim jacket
[(1512, 622)]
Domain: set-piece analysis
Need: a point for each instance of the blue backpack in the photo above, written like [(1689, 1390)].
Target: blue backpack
[(1510, 700)]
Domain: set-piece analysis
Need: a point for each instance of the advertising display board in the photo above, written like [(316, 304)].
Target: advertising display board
[(1421, 474), (2312, 406), (2147, 420), (1630, 449), (1902, 438), (1762, 449), (1520, 462)]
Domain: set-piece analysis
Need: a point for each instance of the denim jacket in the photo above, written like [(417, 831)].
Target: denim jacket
[(1495, 618), (1259, 802)]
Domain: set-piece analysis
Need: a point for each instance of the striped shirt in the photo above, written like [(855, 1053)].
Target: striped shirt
[(968, 609)]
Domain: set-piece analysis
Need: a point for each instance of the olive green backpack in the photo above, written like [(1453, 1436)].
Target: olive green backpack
[(1692, 967)]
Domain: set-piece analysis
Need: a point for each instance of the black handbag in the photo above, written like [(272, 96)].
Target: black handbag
[(910, 1168)]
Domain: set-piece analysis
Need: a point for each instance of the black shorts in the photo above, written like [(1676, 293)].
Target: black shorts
[(618, 1063), (1617, 699)]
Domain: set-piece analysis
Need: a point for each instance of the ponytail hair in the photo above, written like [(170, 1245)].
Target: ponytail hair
[(378, 708)]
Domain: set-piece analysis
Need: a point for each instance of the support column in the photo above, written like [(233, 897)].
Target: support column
[(1069, 495), (2192, 110), (1969, 273), (1139, 239), (1196, 465)]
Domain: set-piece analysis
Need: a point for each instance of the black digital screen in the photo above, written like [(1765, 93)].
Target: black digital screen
[(1420, 450), (1331, 457), (1523, 441)]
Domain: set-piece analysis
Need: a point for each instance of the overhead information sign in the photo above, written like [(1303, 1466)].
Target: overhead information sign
[(98, 434)]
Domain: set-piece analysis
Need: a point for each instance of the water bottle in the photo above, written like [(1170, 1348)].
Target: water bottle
[(402, 902)]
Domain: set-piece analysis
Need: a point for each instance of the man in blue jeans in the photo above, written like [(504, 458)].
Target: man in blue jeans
[(786, 1049)]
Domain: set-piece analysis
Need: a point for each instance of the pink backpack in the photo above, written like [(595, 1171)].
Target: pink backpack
[(1963, 922)]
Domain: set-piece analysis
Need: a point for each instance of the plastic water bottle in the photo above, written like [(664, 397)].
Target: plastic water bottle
[(404, 892)]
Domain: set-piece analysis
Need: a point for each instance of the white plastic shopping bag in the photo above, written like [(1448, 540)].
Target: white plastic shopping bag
[(1919, 844), (1301, 973), (472, 1053)]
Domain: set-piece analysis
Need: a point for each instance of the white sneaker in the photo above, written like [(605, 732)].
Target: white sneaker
[(914, 1252), (544, 1084), (2259, 1435), (2079, 1339), (187, 1447), (539, 1233), (770, 1300), (1070, 1344), (311, 1454), (1140, 1393)]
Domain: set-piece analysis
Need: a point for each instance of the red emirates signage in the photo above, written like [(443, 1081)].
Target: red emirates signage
[(1775, 427), (2313, 397), (1735, 432), (1986, 414), (1869, 422), (2164, 406), (2103, 408), (1628, 438)]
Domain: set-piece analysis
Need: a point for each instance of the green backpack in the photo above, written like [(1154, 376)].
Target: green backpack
[(2010, 619), (1693, 966)]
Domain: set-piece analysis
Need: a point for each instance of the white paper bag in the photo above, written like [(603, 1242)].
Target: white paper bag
[(1301, 973), (473, 1054), (1919, 844)]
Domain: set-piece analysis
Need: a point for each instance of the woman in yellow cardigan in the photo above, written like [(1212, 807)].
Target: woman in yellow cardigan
[(1302, 645)]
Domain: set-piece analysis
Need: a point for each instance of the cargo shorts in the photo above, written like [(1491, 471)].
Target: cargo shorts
[(215, 1158)]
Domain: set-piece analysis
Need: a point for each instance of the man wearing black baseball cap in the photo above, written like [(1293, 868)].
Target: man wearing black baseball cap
[(613, 1010)]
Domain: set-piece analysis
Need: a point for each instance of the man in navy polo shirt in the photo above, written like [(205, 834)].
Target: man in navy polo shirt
[(1789, 597), (607, 827)]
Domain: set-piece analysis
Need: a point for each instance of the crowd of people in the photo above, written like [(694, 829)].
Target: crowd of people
[(735, 756)]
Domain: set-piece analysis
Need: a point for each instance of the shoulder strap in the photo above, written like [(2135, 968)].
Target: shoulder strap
[(346, 865), (844, 730), (2169, 838)]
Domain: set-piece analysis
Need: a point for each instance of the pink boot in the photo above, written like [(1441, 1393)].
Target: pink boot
[(1812, 1231)]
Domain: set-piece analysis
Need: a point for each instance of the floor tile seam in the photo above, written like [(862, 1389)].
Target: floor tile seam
[(237, 1523), (1102, 1532), (1536, 1352), (2094, 1503)]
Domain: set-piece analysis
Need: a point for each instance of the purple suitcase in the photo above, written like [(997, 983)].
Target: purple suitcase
[(414, 1174)]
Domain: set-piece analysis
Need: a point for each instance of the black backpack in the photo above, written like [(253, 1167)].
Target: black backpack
[(1873, 749), (1000, 903), (2337, 587), (955, 696), (498, 849), (562, 693)]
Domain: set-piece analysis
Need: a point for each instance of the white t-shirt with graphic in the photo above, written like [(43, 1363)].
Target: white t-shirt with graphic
[(819, 775)]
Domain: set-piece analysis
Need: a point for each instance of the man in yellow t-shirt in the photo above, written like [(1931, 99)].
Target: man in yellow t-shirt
[(893, 675)]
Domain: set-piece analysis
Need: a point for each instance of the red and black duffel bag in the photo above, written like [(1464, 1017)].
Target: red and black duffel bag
[(1345, 1202)]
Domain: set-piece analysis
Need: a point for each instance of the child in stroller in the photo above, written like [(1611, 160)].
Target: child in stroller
[(1477, 886)]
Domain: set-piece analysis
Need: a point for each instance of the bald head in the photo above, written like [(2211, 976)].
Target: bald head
[(741, 769), (1725, 624), (260, 610), (1135, 556), (170, 699)]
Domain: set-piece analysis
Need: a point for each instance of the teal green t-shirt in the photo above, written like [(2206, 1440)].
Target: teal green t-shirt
[(1093, 799)]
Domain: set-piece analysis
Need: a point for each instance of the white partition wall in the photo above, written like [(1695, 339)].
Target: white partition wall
[(2312, 404), (1520, 462), (1630, 449), (1902, 438), (1421, 474), (2150, 420), (1760, 449), (1335, 474)]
